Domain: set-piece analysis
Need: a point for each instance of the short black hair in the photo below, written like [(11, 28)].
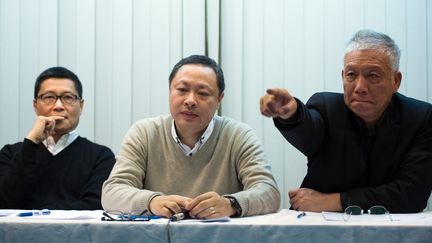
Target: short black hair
[(58, 72), (201, 60)]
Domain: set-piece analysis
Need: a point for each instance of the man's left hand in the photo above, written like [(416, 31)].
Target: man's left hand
[(210, 205), (305, 199)]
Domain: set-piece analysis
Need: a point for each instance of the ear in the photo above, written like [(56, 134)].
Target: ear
[(35, 106), (221, 97), (397, 80), (81, 105)]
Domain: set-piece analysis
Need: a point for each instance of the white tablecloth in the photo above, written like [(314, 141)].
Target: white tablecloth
[(280, 227)]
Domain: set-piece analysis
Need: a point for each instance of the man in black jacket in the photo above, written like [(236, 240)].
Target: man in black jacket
[(54, 167), (369, 146)]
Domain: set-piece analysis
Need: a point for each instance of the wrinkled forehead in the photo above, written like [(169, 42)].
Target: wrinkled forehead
[(367, 58)]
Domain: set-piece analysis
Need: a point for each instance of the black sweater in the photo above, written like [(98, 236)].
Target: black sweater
[(32, 178)]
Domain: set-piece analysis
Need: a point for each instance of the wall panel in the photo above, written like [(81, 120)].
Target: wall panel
[(104, 70), (232, 56), (253, 62), (273, 64), (9, 71), (334, 42), (396, 27), (416, 59), (85, 62)]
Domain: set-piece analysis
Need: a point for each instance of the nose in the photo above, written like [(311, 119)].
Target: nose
[(58, 105), (361, 85), (190, 100)]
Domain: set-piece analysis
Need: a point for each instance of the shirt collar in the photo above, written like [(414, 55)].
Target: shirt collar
[(201, 141), (61, 144)]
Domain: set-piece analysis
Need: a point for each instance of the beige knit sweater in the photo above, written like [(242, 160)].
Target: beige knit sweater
[(150, 163)]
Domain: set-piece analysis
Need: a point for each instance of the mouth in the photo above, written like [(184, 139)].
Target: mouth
[(189, 114), (361, 101), (58, 120)]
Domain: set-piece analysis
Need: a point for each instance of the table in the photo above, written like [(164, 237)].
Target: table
[(283, 226)]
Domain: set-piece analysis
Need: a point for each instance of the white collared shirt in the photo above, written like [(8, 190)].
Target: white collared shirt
[(61, 144), (201, 141)]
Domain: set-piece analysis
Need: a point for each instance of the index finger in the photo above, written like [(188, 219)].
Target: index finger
[(278, 92), (180, 200), (293, 193), (198, 200)]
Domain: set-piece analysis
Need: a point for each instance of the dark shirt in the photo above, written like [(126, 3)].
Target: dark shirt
[(32, 178), (388, 166)]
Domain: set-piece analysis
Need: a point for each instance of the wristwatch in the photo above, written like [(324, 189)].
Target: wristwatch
[(235, 205)]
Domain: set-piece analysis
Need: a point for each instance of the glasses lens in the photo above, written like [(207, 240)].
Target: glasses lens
[(377, 210), (69, 99), (353, 210), (48, 98), (117, 215), (121, 216)]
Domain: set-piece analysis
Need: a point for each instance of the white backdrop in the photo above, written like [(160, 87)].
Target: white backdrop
[(123, 51)]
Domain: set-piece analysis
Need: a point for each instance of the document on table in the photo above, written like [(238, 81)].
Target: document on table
[(333, 216), (7, 212), (223, 219)]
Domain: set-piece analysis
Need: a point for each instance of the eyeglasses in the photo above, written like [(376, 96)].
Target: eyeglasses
[(121, 216), (49, 98), (356, 210)]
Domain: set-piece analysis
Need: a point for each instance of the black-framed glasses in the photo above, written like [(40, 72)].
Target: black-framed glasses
[(121, 216), (357, 210), (50, 98)]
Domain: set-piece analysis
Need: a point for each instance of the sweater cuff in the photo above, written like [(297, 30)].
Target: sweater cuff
[(28, 154), (147, 206), (27, 143)]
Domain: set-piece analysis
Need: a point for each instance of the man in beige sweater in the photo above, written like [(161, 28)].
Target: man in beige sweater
[(192, 160)]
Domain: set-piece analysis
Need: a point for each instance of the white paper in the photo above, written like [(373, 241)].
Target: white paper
[(7, 212), (223, 219)]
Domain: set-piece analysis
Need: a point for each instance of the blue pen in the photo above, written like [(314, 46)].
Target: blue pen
[(34, 212), (154, 217), (302, 214)]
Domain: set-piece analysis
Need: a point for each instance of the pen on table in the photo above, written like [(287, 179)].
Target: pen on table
[(34, 212), (302, 214)]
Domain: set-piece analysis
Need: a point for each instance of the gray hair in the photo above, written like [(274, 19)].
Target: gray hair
[(371, 40)]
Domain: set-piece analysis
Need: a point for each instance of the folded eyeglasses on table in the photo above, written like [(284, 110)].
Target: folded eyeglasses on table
[(357, 210), (132, 216)]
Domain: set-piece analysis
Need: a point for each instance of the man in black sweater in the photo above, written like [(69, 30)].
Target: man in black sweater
[(370, 146), (54, 167)]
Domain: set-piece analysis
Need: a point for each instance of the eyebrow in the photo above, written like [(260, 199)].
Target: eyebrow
[(200, 86), (54, 93)]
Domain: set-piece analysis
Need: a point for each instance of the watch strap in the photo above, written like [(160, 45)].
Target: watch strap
[(235, 205)]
